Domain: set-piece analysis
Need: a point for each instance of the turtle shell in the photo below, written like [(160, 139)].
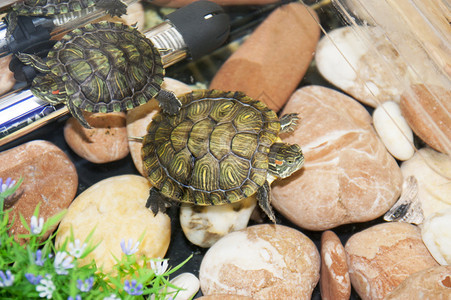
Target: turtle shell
[(214, 151), (107, 67), (50, 7)]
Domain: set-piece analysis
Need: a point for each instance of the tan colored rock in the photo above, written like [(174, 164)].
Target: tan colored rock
[(427, 109), (224, 297), (348, 175), (383, 256), (269, 65), (334, 281), (139, 118), (115, 209), (430, 284), (262, 262), (49, 179), (7, 80), (105, 142)]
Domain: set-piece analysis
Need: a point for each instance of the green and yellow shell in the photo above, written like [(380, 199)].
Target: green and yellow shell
[(107, 67), (214, 151)]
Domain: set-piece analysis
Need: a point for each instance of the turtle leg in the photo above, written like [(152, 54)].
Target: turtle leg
[(113, 7), (288, 122), (169, 103), (34, 61), (78, 114), (11, 19), (157, 202), (264, 200)]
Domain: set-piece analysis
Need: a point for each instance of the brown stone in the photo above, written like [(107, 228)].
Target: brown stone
[(263, 262), (348, 175), (433, 283), (7, 80), (334, 281), (273, 60), (427, 109), (49, 179), (383, 256), (106, 141)]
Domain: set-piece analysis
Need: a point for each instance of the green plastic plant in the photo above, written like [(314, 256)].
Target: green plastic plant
[(37, 269)]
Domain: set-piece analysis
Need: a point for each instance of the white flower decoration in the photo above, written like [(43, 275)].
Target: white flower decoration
[(128, 249), (35, 226), (75, 249), (159, 267), (63, 263), (46, 287)]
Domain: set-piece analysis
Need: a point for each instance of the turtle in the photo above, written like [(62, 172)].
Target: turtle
[(221, 147), (51, 8), (101, 67)]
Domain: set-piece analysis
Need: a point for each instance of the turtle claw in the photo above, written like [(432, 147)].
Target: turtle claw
[(156, 202), (78, 114), (168, 102), (113, 7), (264, 201), (288, 122)]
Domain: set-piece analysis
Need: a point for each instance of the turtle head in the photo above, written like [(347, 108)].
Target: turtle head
[(49, 88), (285, 159)]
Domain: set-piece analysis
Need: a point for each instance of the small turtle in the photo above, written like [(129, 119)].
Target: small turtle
[(220, 148), (51, 8), (101, 67)]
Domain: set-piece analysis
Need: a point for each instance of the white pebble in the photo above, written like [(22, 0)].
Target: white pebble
[(205, 225), (188, 282), (393, 130), (436, 236)]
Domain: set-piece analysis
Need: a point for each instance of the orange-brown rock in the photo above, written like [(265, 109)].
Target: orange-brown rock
[(383, 256), (263, 262), (269, 65), (334, 281), (7, 80), (427, 109), (49, 179), (106, 141), (348, 175), (433, 283)]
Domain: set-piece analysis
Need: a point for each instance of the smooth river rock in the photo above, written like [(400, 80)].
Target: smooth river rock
[(436, 234), (7, 80), (205, 225), (334, 282), (393, 130), (348, 175), (105, 142), (263, 262), (433, 283), (383, 256), (49, 179), (115, 209), (427, 109), (269, 65)]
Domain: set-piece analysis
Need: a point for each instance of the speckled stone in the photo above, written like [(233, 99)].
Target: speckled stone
[(334, 281), (348, 175), (383, 256), (105, 142), (263, 262), (115, 208), (49, 179)]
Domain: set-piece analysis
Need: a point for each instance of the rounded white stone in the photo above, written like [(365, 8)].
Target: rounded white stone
[(393, 130), (189, 284), (436, 235), (205, 225)]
